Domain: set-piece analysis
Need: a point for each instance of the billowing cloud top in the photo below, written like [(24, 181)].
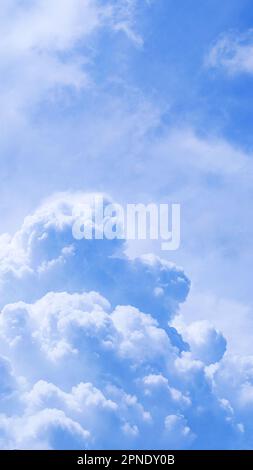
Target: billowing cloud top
[(88, 359)]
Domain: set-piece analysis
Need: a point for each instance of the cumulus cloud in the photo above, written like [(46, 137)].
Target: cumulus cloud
[(206, 343), (47, 429), (86, 346), (233, 52), (44, 256), (177, 426), (218, 309)]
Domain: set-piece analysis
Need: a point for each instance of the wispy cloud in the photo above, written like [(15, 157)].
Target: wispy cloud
[(46, 45), (233, 52)]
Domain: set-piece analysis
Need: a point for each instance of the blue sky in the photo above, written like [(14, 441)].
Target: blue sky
[(147, 101)]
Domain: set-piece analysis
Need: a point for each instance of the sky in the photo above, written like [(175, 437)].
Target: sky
[(144, 101)]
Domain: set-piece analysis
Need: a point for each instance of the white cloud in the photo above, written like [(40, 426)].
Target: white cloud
[(7, 380), (125, 20), (232, 318), (233, 52), (53, 26), (35, 37), (47, 429), (206, 343), (84, 362), (46, 48), (175, 426), (152, 383), (39, 257), (79, 338)]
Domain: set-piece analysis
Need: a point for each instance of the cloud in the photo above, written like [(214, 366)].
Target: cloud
[(125, 12), (233, 53), (206, 343), (43, 25), (88, 346), (177, 425), (47, 49), (233, 380), (231, 317), (43, 253), (7, 381), (37, 48), (47, 429)]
